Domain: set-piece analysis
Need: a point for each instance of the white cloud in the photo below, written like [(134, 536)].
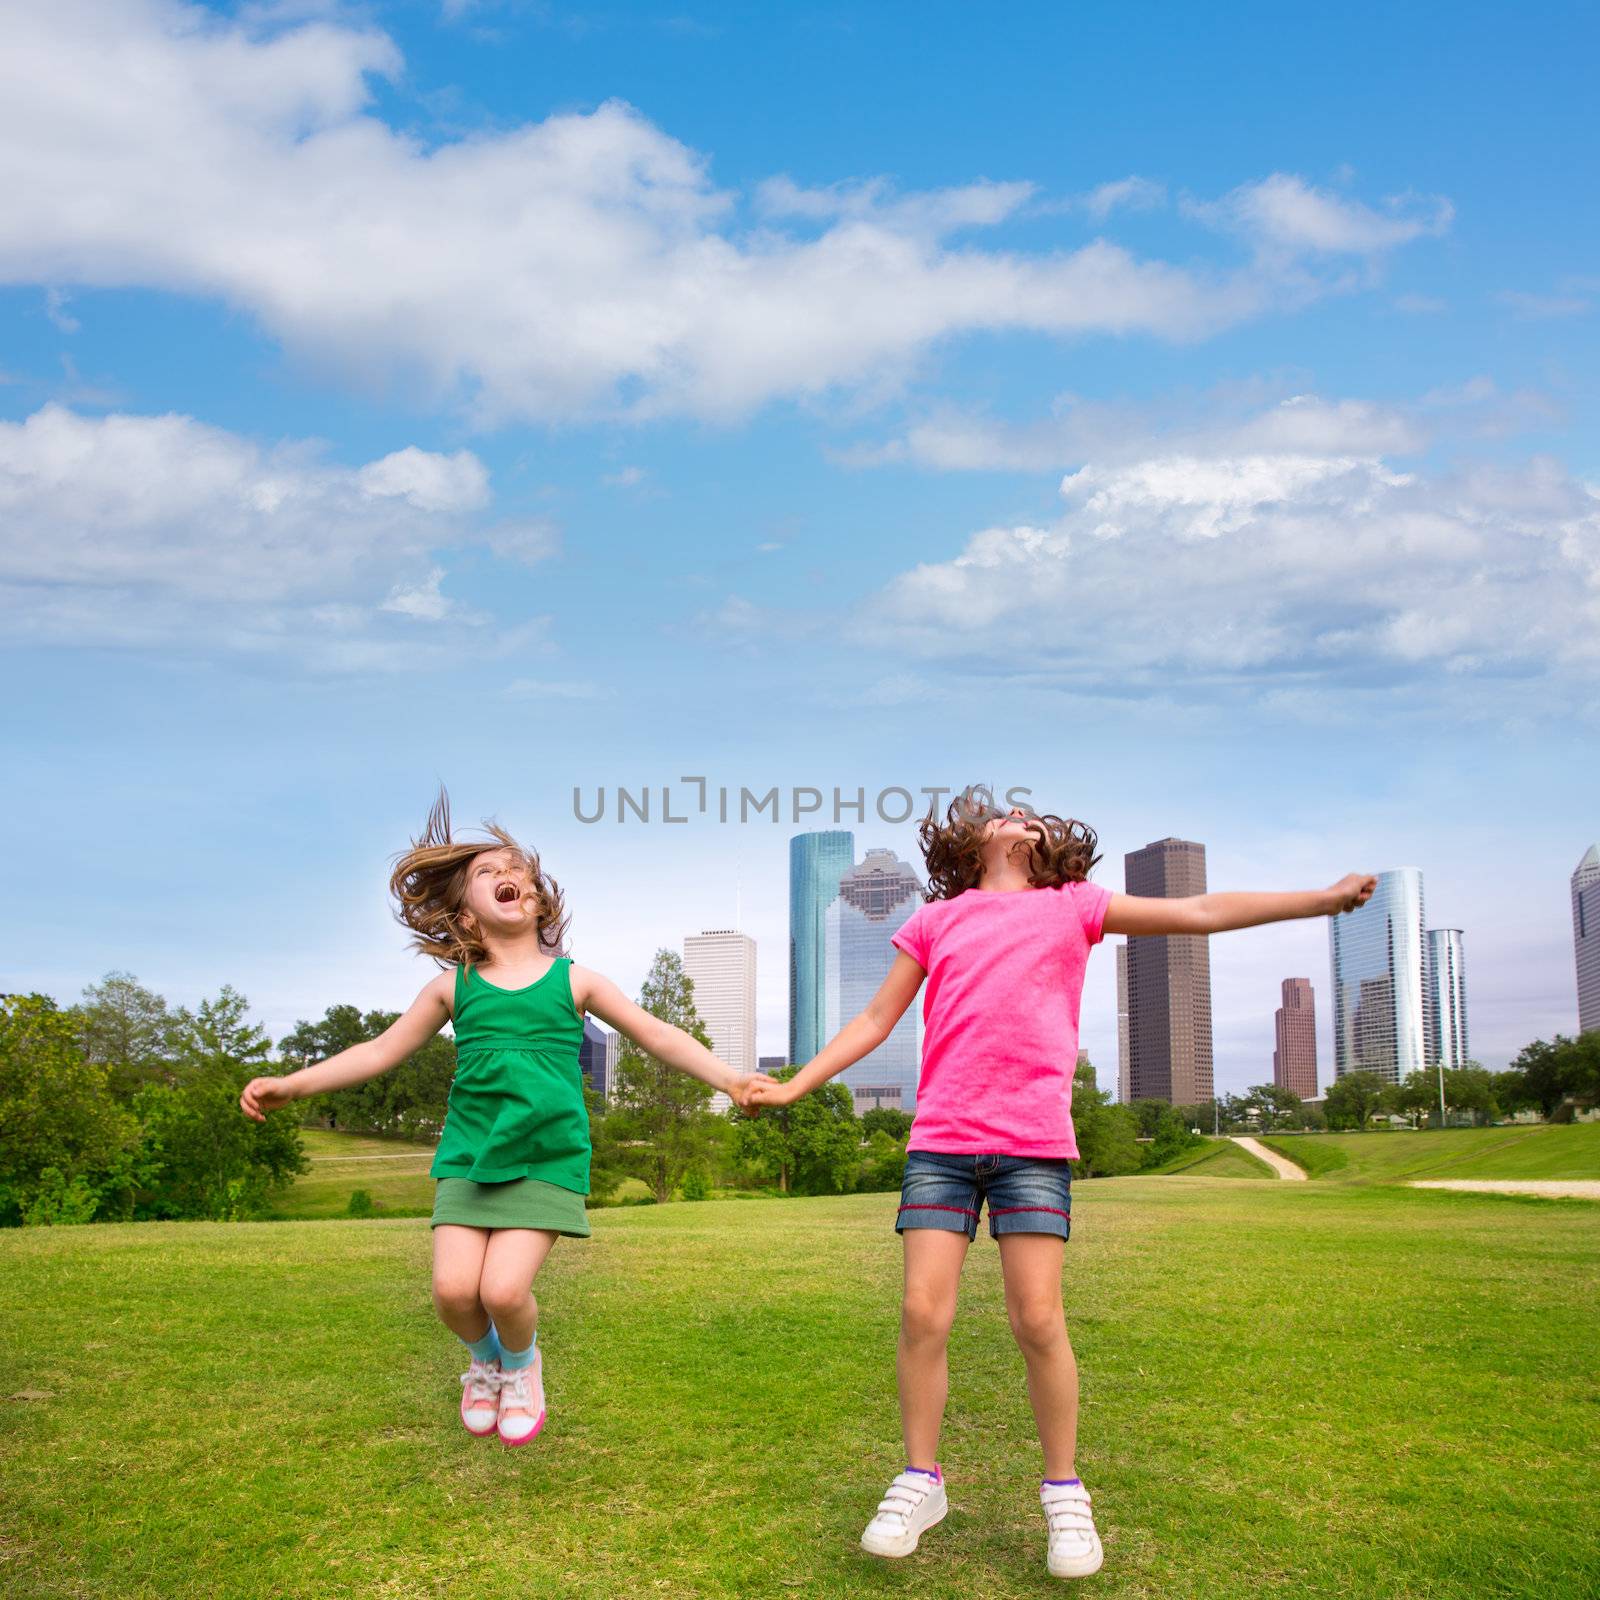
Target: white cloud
[(149, 531), (1127, 194), (55, 309), (578, 265), (422, 602), (1224, 422), (1540, 306), (528, 542), (1283, 211), (1302, 570), (429, 482)]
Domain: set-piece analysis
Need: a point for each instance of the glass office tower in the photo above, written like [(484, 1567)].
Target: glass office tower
[(873, 903), (1586, 937), (1380, 990), (816, 863), (1447, 999)]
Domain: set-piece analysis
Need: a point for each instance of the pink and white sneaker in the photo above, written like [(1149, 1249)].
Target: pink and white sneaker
[(480, 1397), (522, 1410)]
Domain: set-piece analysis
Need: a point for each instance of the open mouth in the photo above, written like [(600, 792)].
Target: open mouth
[(507, 894)]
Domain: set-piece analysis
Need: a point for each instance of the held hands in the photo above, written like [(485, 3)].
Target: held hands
[(262, 1095), (1351, 891), (744, 1088), (765, 1091)]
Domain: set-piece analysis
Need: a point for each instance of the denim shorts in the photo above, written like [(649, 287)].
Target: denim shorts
[(1026, 1194)]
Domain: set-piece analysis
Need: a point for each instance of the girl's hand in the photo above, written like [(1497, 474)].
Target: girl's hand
[(262, 1095), (770, 1092), (1351, 891), (741, 1090)]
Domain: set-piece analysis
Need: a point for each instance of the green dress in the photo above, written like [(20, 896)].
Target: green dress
[(515, 1148)]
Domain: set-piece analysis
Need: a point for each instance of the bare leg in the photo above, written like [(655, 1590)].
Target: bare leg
[(513, 1256), (933, 1273), (457, 1266), (1031, 1264)]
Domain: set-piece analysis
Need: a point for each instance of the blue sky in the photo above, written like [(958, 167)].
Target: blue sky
[(1187, 415)]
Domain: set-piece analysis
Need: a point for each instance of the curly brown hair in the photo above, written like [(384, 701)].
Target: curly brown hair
[(429, 884), (1060, 850)]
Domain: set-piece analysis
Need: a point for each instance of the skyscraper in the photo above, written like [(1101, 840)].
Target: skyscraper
[(1586, 937), (1379, 964), (873, 902), (597, 1058), (816, 862), (1447, 999), (1294, 1061), (722, 965), (1169, 983), (1124, 1051)]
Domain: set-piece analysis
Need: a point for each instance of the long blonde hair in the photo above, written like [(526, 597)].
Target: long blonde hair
[(429, 884)]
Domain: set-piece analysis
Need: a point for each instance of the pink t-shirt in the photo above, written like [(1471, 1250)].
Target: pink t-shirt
[(1000, 1016)]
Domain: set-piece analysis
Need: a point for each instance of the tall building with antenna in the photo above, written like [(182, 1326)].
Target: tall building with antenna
[(721, 963)]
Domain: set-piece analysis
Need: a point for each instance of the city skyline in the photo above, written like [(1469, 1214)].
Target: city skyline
[(1236, 489)]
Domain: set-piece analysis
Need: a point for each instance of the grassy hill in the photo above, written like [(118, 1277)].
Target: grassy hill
[(1216, 1158), (1290, 1389), (1515, 1152), (393, 1171)]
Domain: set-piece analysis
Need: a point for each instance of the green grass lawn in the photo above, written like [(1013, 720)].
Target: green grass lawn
[(1572, 1151), (1290, 1389), (1217, 1158)]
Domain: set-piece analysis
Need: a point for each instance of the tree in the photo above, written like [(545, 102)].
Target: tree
[(810, 1147), (1147, 1113), (1471, 1088), (1352, 1099), (61, 1132), (885, 1165), (1557, 1070), (409, 1101), (127, 1029), (1107, 1135), (897, 1124), (1273, 1106), (1415, 1097), (1173, 1137), (662, 1116)]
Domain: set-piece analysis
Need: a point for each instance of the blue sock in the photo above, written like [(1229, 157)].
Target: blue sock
[(485, 1349), (1056, 1483), (512, 1360)]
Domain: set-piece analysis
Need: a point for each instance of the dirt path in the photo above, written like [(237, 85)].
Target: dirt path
[(1279, 1164), (1557, 1188)]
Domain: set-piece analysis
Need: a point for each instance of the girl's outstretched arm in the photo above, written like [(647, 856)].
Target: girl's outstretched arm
[(861, 1035), (405, 1036), (598, 994), (1218, 913)]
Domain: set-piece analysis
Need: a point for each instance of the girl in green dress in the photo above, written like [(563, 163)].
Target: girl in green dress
[(513, 1160)]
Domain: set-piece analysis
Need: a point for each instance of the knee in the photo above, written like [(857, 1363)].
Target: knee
[(455, 1296), (503, 1298), (1038, 1325), (925, 1317)]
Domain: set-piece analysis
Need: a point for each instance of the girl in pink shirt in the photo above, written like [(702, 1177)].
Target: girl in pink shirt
[(1003, 941)]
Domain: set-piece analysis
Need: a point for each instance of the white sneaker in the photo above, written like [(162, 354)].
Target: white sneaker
[(480, 1397), (1074, 1545), (522, 1402), (914, 1503)]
